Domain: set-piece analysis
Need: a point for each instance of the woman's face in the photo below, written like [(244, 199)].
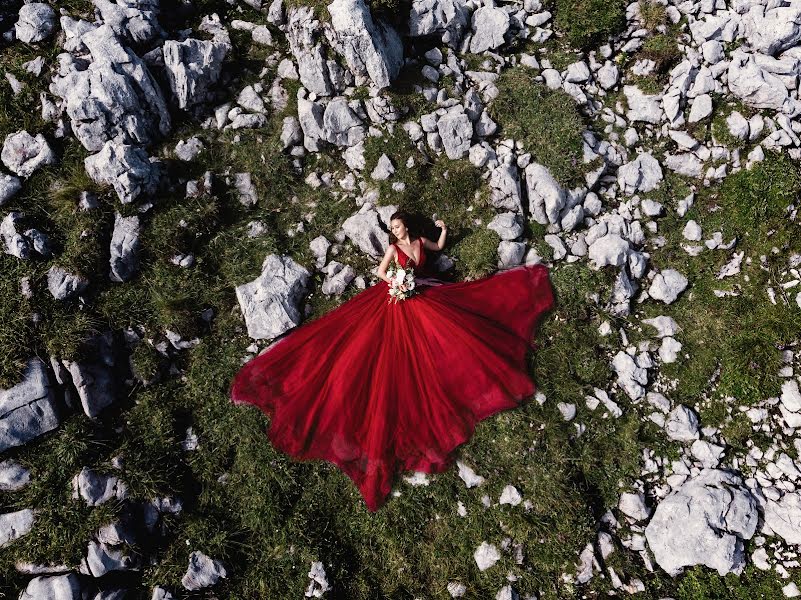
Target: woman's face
[(398, 228)]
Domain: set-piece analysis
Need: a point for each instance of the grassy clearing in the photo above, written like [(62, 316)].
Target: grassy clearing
[(547, 123), (741, 335), (587, 23)]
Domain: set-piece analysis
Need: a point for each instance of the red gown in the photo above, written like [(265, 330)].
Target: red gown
[(375, 387)]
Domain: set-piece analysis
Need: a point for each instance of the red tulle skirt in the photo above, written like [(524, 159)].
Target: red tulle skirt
[(376, 388)]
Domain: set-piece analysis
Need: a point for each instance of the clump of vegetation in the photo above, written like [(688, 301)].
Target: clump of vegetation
[(477, 253), (546, 121), (663, 49), (653, 14), (15, 321), (759, 196), (589, 22), (719, 128)]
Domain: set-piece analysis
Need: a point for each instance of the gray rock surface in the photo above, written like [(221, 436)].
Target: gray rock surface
[(446, 18), (490, 24), (55, 587), (193, 66), (682, 424), (456, 131), (97, 488), (203, 571), (269, 303), (115, 97), (753, 84), (124, 251), (13, 476), (14, 525), (135, 22), (9, 187), (372, 49), (37, 22), (341, 125), (63, 285), (704, 522), (23, 153), (643, 174), (783, 517), (545, 196), (27, 409), (126, 168), (364, 229), (667, 285)]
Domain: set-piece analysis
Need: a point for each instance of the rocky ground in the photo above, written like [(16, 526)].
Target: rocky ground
[(183, 183)]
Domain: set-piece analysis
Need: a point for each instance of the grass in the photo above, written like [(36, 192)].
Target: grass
[(587, 23), (547, 123), (653, 14), (740, 335)]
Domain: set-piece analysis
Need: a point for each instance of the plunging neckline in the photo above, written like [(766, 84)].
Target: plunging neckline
[(411, 257)]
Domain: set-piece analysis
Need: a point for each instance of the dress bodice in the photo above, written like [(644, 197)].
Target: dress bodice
[(404, 259)]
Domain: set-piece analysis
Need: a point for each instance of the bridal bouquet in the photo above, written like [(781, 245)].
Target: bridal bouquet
[(400, 276)]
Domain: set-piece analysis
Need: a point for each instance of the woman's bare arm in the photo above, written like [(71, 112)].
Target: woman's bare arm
[(388, 256), (439, 244)]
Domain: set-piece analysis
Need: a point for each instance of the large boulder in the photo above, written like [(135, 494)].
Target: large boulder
[(55, 587), (94, 379), (364, 229), (546, 197), (193, 66), (128, 169), (504, 183), (341, 125), (704, 522), (15, 524), (27, 409), (24, 153), (37, 22), (372, 49), (754, 85), (447, 19), (643, 174), (135, 22), (124, 250), (773, 30), (303, 32), (783, 517), (269, 303), (115, 97), (203, 571), (456, 131), (490, 24)]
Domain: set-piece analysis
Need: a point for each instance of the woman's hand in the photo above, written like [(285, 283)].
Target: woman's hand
[(441, 224)]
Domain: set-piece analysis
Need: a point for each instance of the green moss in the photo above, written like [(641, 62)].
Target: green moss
[(477, 253), (589, 22), (547, 122)]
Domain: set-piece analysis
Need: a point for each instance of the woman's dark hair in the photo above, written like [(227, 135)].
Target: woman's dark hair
[(408, 221)]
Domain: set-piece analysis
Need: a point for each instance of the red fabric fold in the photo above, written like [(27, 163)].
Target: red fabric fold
[(375, 388)]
